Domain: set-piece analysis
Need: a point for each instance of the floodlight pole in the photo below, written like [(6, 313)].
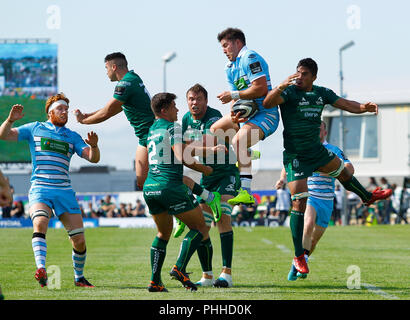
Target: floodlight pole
[(342, 128), (167, 58)]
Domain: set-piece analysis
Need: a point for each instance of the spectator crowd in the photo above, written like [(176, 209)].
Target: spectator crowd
[(390, 211)]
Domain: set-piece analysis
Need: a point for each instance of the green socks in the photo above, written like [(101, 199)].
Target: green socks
[(158, 253), (205, 253), (296, 227), (227, 248), (189, 245), (355, 186)]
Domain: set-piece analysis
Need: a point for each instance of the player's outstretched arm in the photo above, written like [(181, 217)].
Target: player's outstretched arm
[(92, 153), (356, 107), (273, 98), (6, 131), (5, 193), (112, 108)]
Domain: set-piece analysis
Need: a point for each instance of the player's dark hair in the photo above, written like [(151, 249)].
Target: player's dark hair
[(232, 34), (197, 88), (310, 64), (119, 59), (161, 101)]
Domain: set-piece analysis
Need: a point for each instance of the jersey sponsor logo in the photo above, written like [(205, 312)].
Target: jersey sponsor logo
[(153, 193), (124, 83), (119, 90), (54, 146), (252, 56), (240, 84), (230, 188), (304, 102), (319, 101), (299, 174), (255, 67)]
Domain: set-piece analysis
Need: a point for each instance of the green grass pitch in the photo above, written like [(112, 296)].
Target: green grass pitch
[(33, 111), (118, 265)]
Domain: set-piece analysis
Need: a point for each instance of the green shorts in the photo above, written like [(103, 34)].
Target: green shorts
[(225, 185), (301, 166), (175, 200)]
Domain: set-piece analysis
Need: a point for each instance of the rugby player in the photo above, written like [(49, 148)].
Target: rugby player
[(224, 180), (301, 104), (130, 95), (166, 195), (319, 207), (248, 77), (52, 145)]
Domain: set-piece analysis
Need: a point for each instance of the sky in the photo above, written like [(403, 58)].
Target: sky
[(376, 68)]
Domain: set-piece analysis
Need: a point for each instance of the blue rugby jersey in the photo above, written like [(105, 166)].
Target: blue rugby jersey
[(51, 149), (323, 186), (247, 67)]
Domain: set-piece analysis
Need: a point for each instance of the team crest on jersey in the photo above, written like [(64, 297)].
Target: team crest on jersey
[(295, 163), (319, 101)]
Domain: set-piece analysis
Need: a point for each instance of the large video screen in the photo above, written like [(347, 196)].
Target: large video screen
[(28, 75)]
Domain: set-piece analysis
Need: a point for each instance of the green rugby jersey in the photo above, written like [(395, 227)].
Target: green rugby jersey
[(164, 169), (194, 129), (301, 115), (136, 102)]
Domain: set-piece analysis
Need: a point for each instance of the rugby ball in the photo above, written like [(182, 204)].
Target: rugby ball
[(246, 108)]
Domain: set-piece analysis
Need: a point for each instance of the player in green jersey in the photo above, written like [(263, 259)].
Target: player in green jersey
[(131, 96), (301, 104), (165, 193), (196, 126)]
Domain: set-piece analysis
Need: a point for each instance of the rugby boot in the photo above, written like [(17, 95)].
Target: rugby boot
[(41, 276), (242, 197), (224, 281), (379, 194), (83, 282), (183, 278), (215, 206), (179, 228), (300, 264), (153, 287)]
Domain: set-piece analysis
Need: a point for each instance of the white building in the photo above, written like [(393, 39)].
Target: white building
[(378, 146)]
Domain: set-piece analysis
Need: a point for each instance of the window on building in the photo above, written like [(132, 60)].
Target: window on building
[(360, 136)]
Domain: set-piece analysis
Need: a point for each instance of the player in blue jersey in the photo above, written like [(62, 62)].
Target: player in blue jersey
[(52, 146), (248, 77), (321, 188)]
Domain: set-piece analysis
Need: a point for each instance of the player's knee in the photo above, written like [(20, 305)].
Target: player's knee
[(77, 236), (79, 242), (299, 205)]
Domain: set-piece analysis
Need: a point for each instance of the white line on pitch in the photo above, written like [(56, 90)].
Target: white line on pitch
[(379, 291), (283, 248), (267, 241)]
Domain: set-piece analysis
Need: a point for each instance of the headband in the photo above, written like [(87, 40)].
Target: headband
[(56, 104)]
